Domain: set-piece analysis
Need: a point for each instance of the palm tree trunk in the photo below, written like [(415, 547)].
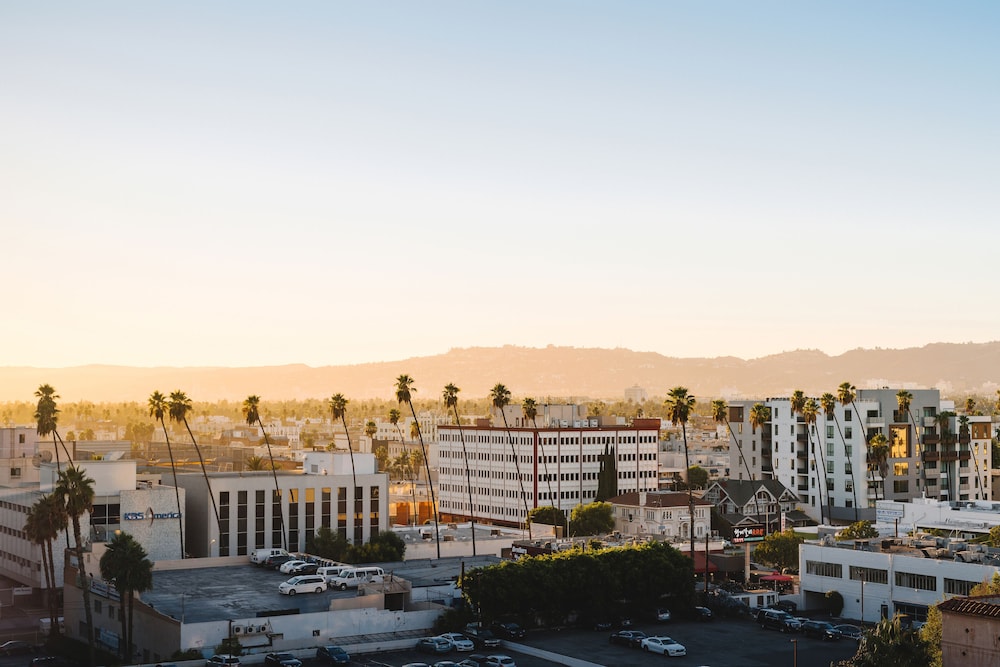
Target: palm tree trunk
[(430, 483), (687, 467), (468, 480), (864, 433), (517, 469), (916, 441), (545, 464), (277, 491), (756, 503), (85, 588), (177, 491), (131, 623), (53, 593), (204, 472), (851, 463), (820, 483), (354, 475)]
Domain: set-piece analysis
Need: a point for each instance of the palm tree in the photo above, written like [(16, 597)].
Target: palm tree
[(404, 394), (180, 406), (44, 521), (450, 397), (970, 405), (500, 397), (126, 565), (810, 409), (530, 409), (158, 408), (846, 393), (679, 406), (720, 413), (255, 463), (829, 404), (371, 428), (947, 440), (394, 416), (903, 400), (47, 417), (251, 412), (878, 453), (338, 408), (76, 493)]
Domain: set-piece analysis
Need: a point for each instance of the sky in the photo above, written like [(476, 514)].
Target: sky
[(329, 183)]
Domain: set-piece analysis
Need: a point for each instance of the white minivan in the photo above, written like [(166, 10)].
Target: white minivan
[(354, 577), (306, 583)]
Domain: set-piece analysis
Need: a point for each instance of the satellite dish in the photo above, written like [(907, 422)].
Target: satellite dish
[(36, 460), (46, 456)]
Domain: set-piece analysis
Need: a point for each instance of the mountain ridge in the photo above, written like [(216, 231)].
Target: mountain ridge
[(552, 371)]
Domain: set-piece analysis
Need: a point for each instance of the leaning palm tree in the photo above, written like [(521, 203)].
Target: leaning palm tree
[(846, 393), (530, 409), (810, 410), (76, 493), (450, 397), (963, 431), (158, 408), (679, 406), (404, 394), (394, 416), (720, 413), (127, 567), (829, 404), (251, 413), (903, 401), (338, 409), (500, 396), (878, 453), (44, 521), (180, 406), (47, 417)]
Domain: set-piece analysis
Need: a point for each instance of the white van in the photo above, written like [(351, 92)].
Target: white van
[(354, 577), (260, 555), (331, 572)]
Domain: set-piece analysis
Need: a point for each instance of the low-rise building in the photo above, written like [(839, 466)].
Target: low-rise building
[(970, 631)]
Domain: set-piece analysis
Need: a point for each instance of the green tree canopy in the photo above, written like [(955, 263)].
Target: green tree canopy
[(697, 477), (595, 518), (889, 643), (548, 515), (859, 530), (779, 549)]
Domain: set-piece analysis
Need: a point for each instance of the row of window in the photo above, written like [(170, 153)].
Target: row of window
[(923, 582)]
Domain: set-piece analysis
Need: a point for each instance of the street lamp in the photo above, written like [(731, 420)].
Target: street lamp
[(795, 652)]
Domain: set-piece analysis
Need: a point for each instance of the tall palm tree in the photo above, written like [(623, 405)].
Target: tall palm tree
[(679, 405), (500, 396), (44, 521), (47, 417), (829, 404), (947, 440), (450, 396), (251, 413), (903, 401), (963, 430), (846, 393), (878, 453), (76, 493), (720, 413), (126, 565), (530, 409), (810, 410), (394, 416), (338, 409), (404, 394), (158, 409), (180, 406)]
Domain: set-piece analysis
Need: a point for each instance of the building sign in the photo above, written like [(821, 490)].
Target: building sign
[(149, 514), (22, 590), (743, 534), (888, 514)]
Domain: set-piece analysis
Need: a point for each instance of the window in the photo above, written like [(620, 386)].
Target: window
[(869, 574), (958, 586), (820, 569), (848, 415), (15, 472), (848, 432), (921, 582)]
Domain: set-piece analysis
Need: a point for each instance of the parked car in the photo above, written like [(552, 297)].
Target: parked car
[(274, 562), (332, 655), (434, 645), (627, 637), (17, 647), (52, 661), (474, 660), (663, 646), (305, 583), (500, 660), (305, 568), (260, 556), (785, 605), (445, 663), (281, 660), (662, 615), (416, 664), (703, 614), (775, 619), (481, 637), (223, 660), (459, 641), (287, 566), (507, 630), (819, 630), (848, 631)]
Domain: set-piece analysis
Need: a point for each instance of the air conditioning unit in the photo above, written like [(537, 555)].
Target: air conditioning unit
[(239, 630), (262, 629)]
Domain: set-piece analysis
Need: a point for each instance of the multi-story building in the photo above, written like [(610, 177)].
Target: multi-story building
[(762, 502), (558, 461), (662, 514), (830, 464)]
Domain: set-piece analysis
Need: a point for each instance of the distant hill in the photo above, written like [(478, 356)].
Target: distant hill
[(561, 372)]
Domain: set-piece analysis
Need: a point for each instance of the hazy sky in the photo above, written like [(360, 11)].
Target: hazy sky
[(235, 184)]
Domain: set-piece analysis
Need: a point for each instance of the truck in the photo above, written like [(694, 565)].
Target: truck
[(260, 555)]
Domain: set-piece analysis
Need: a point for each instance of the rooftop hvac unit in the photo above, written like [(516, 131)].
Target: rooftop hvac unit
[(261, 629), (239, 630)]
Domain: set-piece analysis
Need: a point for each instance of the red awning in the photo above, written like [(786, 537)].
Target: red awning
[(777, 577), (699, 563)]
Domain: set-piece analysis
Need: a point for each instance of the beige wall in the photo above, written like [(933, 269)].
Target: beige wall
[(969, 641)]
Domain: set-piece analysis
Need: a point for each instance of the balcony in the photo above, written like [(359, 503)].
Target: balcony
[(875, 422), (930, 422), (803, 487), (802, 437), (964, 438), (964, 456), (801, 454), (931, 438), (932, 456), (802, 471), (949, 456)]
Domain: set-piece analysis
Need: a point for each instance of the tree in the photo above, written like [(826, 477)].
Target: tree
[(903, 401), (607, 475), (44, 521), (180, 406), (158, 409), (809, 409), (835, 602), (371, 428), (679, 406), (338, 409), (47, 417), (779, 549), (697, 477), (251, 413), (890, 643), (500, 397), (530, 409), (720, 413), (450, 397), (595, 518), (859, 530), (76, 493), (878, 454), (394, 416), (760, 414), (549, 515), (255, 463), (846, 393), (126, 565), (829, 404), (404, 394)]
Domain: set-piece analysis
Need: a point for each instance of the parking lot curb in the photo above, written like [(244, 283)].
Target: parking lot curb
[(557, 658)]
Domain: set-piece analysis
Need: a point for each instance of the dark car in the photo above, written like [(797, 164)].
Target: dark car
[(274, 562), (631, 638), (281, 660), (332, 655), (52, 661), (305, 568), (785, 605), (434, 645), (848, 631), (480, 636), (17, 647), (703, 614), (819, 630), (775, 619), (507, 630)]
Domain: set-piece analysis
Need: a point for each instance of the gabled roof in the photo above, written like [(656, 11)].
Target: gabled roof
[(981, 605), (657, 499), (742, 491)]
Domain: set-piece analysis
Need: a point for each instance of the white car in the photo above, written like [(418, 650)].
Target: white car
[(663, 646), (304, 583), (287, 566), (459, 641), (500, 661)]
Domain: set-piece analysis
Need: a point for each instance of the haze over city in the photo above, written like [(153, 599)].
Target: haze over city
[(245, 184)]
